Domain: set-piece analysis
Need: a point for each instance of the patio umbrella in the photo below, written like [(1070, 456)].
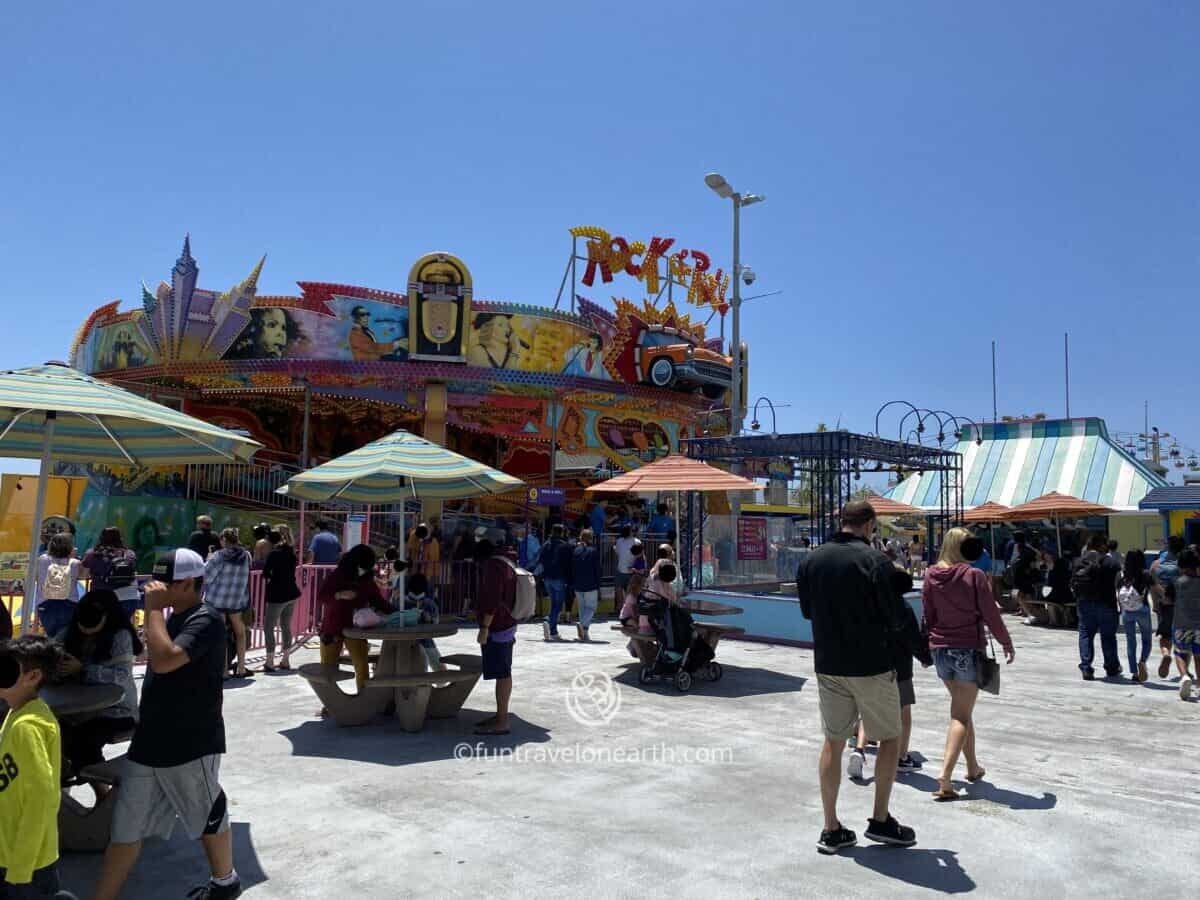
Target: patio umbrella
[(885, 506), (987, 514), (398, 467), (1055, 505), (55, 413), (675, 473)]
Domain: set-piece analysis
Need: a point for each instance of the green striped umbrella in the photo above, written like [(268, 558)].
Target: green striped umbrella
[(396, 468), (55, 413)]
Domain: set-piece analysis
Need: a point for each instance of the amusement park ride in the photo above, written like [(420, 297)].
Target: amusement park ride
[(318, 373)]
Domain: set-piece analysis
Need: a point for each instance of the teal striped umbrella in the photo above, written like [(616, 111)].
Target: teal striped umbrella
[(396, 468), (55, 413)]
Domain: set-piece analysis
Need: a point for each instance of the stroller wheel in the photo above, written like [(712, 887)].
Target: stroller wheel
[(683, 681), (715, 671), (645, 674)]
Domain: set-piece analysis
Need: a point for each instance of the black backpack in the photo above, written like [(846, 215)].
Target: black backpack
[(1088, 578), (122, 571)]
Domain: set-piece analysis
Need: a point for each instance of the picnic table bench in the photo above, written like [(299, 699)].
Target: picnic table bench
[(401, 680)]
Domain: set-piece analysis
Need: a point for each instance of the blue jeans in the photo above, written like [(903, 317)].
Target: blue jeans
[(1135, 622), (1096, 618), (55, 615), (557, 589)]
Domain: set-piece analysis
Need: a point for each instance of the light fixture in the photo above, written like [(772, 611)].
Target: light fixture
[(719, 185), (754, 426), (751, 199)]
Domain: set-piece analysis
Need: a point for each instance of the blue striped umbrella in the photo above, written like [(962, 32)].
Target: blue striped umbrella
[(396, 468), (54, 412)]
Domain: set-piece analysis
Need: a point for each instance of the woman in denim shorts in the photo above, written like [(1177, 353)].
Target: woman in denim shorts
[(958, 602)]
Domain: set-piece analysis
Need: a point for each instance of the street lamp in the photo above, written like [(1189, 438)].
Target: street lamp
[(725, 191)]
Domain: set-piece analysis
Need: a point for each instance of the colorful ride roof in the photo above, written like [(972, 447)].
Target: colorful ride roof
[(1019, 462)]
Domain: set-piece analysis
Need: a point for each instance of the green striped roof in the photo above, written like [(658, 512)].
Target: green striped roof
[(395, 468), (96, 422), (1019, 462)]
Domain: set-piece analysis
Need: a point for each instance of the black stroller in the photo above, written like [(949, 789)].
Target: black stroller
[(682, 654)]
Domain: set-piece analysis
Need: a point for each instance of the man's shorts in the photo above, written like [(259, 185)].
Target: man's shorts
[(1166, 621), (873, 698), (150, 800), (1186, 640), (497, 660)]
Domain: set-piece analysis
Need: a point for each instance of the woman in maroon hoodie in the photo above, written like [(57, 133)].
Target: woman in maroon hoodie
[(351, 587), (958, 602)]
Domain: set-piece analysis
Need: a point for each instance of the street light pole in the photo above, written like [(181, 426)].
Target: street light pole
[(725, 191), (736, 412)]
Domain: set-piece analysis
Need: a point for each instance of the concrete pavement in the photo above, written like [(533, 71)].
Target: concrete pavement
[(1091, 786)]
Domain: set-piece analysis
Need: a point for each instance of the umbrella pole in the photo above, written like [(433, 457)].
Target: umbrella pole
[(300, 539), (39, 511), (678, 522), (1058, 535)]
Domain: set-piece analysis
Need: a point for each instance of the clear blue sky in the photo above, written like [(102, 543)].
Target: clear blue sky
[(938, 174)]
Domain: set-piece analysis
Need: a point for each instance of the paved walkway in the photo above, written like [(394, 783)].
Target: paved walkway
[(1092, 787)]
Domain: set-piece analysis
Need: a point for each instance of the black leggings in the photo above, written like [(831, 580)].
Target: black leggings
[(83, 743)]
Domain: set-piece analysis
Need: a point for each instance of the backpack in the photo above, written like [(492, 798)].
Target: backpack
[(1087, 581), (526, 595), (57, 585), (122, 572), (1167, 572), (1129, 597)]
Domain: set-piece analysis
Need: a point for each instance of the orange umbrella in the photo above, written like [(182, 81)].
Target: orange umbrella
[(884, 506), (986, 514), (675, 473), (1055, 505)]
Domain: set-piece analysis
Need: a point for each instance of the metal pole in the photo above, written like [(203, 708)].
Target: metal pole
[(735, 405), (553, 440), (39, 511), (1067, 369), (574, 254), (304, 433), (995, 416)]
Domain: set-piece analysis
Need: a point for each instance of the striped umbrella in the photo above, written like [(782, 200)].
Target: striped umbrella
[(55, 413), (1055, 505), (885, 506), (395, 468), (987, 514)]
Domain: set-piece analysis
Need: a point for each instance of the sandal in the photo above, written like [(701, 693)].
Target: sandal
[(941, 795), (267, 668), (978, 776)]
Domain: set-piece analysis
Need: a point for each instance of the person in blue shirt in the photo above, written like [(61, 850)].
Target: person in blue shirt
[(528, 547), (984, 563), (598, 517), (324, 549), (661, 522)]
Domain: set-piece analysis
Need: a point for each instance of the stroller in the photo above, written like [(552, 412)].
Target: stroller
[(682, 654)]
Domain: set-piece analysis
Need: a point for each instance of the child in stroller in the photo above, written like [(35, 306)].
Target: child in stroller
[(682, 654)]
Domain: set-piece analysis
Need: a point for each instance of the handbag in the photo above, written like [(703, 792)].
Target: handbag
[(987, 667)]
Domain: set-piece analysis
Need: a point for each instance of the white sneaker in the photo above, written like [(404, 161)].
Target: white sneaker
[(1030, 620), (1185, 689), (545, 631), (855, 767)]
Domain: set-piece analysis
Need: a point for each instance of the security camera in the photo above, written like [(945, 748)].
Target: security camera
[(748, 276)]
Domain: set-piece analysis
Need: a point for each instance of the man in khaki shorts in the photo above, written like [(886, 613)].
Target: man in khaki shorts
[(845, 588)]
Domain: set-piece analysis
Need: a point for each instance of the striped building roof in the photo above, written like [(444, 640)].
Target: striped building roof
[(1018, 462)]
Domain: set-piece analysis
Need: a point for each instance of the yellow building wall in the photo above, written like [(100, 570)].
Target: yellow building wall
[(1142, 532), (1179, 516)]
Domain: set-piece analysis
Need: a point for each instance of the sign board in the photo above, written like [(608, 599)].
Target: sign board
[(547, 496), (355, 532), (752, 538)]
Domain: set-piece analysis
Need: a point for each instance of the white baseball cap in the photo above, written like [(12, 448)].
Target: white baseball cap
[(178, 565)]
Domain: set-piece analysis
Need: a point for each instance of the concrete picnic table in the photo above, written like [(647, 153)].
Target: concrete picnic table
[(401, 679), (76, 699)]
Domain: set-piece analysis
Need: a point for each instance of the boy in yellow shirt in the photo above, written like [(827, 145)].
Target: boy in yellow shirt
[(30, 766)]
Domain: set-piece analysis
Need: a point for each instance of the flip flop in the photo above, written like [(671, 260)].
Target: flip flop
[(491, 731), (978, 776), (941, 796)]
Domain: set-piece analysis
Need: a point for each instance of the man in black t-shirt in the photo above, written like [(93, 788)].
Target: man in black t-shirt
[(203, 541), (171, 770)]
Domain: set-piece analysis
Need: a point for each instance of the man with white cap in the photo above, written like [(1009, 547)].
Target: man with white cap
[(171, 769)]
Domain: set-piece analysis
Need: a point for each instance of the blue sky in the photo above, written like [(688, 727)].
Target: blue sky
[(938, 174)]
